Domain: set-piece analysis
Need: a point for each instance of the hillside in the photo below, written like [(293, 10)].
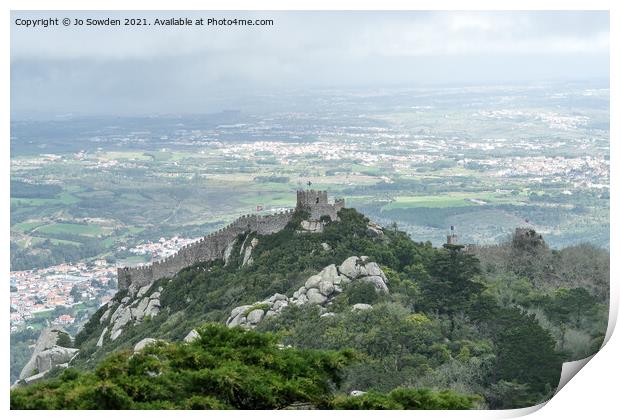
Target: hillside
[(486, 326)]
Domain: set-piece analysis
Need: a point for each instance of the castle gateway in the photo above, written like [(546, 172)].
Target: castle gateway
[(219, 244)]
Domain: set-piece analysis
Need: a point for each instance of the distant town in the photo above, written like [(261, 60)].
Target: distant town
[(41, 291)]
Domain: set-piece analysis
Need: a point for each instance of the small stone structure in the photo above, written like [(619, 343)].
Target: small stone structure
[(217, 245), (528, 234), (452, 238), (527, 238)]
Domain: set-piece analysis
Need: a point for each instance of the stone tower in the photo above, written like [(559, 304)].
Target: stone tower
[(309, 198), (317, 204), (452, 238)]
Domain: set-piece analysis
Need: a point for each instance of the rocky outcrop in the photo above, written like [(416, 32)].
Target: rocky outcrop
[(54, 356), (249, 316), (311, 226), (131, 310), (318, 289), (322, 287), (103, 333), (140, 345), (374, 230), (247, 251), (361, 307), (47, 354), (228, 251), (191, 336), (359, 269)]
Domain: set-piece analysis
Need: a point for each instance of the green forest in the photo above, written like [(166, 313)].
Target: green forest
[(461, 327)]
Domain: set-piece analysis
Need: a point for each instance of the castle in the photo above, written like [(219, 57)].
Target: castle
[(219, 244), (317, 204)]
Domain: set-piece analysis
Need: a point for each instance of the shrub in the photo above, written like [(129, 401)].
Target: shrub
[(407, 399), (64, 340), (361, 292)]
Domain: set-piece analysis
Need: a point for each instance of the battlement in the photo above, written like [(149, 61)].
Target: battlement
[(525, 237), (209, 248), (317, 203), (311, 197), (214, 245)]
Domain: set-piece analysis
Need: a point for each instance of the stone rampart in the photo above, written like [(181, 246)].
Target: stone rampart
[(208, 248)]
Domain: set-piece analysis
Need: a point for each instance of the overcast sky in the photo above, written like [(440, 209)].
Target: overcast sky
[(142, 70)]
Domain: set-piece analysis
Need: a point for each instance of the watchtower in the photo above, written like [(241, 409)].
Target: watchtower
[(527, 237), (309, 198), (317, 204), (452, 238)]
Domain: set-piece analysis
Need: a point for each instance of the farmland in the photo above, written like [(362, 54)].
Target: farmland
[(485, 162)]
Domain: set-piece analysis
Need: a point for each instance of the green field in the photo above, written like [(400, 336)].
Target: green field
[(454, 199), (270, 199), (71, 228), (26, 226), (368, 170), (43, 314), (63, 198)]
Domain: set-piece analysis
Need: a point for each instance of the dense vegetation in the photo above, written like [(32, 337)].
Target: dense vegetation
[(494, 322), (24, 190), (223, 369), (75, 249)]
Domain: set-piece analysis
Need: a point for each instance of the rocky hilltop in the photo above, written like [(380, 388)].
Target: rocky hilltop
[(493, 322), (124, 320)]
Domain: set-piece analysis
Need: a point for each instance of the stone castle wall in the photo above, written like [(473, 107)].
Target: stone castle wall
[(209, 248), (213, 246)]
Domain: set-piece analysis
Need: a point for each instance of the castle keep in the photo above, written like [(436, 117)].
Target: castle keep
[(219, 244), (316, 202)]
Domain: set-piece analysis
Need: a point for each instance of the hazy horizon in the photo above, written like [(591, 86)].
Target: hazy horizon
[(130, 71)]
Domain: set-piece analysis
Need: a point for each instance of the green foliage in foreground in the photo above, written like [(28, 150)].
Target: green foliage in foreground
[(406, 399), (454, 319), (223, 369)]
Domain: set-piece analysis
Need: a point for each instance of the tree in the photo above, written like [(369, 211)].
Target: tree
[(525, 351), (64, 340), (504, 395), (451, 286), (76, 293), (361, 293), (570, 306)]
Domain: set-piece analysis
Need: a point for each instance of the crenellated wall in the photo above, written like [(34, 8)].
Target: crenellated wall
[(213, 246), (209, 248)]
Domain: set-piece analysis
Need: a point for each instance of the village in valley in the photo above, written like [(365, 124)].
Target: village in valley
[(37, 294)]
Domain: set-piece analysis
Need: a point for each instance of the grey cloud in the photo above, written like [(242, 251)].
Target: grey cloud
[(139, 70)]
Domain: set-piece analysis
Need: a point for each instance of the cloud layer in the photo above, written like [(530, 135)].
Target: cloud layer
[(177, 69)]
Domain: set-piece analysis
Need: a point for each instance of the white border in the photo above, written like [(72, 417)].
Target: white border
[(592, 394)]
